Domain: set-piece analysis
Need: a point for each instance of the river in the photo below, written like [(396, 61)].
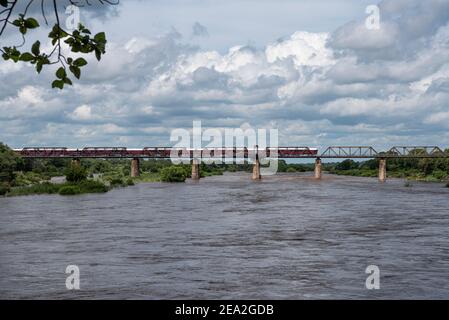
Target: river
[(226, 237)]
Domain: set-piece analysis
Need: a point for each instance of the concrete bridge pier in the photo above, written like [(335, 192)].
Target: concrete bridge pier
[(256, 170), (135, 168), (382, 170), (76, 162), (256, 166), (196, 169), (318, 169)]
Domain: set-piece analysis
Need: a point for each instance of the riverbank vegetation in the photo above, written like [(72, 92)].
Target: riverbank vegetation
[(20, 176), (174, 174), (430, 170), (87, 186), (60, 176)]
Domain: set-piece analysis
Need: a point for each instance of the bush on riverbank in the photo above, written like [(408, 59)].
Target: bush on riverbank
[(439, 175), (8, 165), (429, 170), (24, 179), (92, 186), (69, 190), (347, 165), (75, 174), (41, 188), (88, 186), (205, 170), (117, 182), (4, 188), (447, 185), (173, 174), (147, 177)]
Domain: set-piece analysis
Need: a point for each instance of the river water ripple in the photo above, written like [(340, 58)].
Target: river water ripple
[(287, 237)]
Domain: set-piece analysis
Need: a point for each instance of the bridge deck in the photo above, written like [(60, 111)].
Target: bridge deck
[(352, 152), (166, 153)]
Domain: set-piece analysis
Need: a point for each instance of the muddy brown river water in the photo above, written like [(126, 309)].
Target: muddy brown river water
[(226, 237)]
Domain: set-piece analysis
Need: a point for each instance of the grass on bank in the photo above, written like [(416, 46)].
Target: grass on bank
[(79, 184), (147, 177), (118, 179), (87, 186)]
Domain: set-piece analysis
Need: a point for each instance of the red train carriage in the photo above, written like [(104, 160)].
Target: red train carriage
[(296, 152), (157, 152), (105, 152), (166, 152), (42, 152)]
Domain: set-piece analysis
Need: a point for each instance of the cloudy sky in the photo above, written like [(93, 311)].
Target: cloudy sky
[(311, 69)]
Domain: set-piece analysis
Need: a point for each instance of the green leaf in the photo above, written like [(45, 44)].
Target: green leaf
[(100, 37), (31, 23), (26, 56), (58, 84), (61, 74), (36, 48), (68, 81), (39, 66), (98, 54), (85, 49), (69, 40), (57, 33), (4, 3), (76, 71), (23, 30), (76, 47), (14, 54), (80, 62)]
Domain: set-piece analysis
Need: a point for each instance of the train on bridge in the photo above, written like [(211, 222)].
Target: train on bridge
[(166, 152), (333, 152), (256, 153)]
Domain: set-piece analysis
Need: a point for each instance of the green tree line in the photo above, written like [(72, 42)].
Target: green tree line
[(420, 169), (19, 172)]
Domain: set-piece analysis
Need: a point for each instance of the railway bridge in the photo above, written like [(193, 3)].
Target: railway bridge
[(231, 155)]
